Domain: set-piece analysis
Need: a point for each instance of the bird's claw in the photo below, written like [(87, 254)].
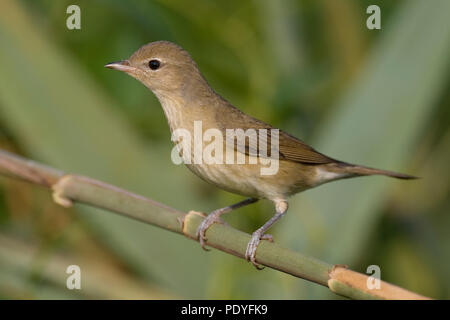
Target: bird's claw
[(250, 253), (206, 223)]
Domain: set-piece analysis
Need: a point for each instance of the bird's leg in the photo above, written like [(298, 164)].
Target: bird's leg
[(214, 217), (281, 207)]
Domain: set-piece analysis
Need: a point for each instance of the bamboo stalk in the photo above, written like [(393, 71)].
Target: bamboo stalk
[(68, 188)]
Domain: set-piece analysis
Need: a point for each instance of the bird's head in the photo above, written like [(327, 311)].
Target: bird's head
[(163, 67)]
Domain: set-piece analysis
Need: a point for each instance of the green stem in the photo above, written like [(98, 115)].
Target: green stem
[(68, 188)]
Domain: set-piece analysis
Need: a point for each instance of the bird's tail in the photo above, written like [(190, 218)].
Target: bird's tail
[(357, 170)]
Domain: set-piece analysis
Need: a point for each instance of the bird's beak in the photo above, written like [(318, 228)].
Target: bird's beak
[(123, 65)]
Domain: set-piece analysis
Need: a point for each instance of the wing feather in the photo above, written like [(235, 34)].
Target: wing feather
[(290, 148)]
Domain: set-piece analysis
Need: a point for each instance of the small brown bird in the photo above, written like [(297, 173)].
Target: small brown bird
[(186, 98)]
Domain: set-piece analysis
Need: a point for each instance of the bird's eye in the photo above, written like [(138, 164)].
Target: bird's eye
[(154, 64)]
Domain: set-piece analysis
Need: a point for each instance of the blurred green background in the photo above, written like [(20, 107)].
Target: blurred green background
[(375, 97)]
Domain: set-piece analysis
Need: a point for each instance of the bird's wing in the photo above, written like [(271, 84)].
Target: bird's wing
[(289, 147)]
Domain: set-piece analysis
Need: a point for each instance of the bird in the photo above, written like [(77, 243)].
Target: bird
[(186, 98)]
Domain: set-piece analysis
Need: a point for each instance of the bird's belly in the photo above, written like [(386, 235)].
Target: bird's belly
[(227, 177), (246, 179)]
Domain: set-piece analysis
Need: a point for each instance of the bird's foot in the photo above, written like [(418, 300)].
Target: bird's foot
[(206, 223), (250, 253)]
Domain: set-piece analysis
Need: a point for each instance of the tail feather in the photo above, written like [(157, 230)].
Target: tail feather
[(358, 170)]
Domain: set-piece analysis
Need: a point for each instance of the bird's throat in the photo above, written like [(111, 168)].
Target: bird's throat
[(172, 108)]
